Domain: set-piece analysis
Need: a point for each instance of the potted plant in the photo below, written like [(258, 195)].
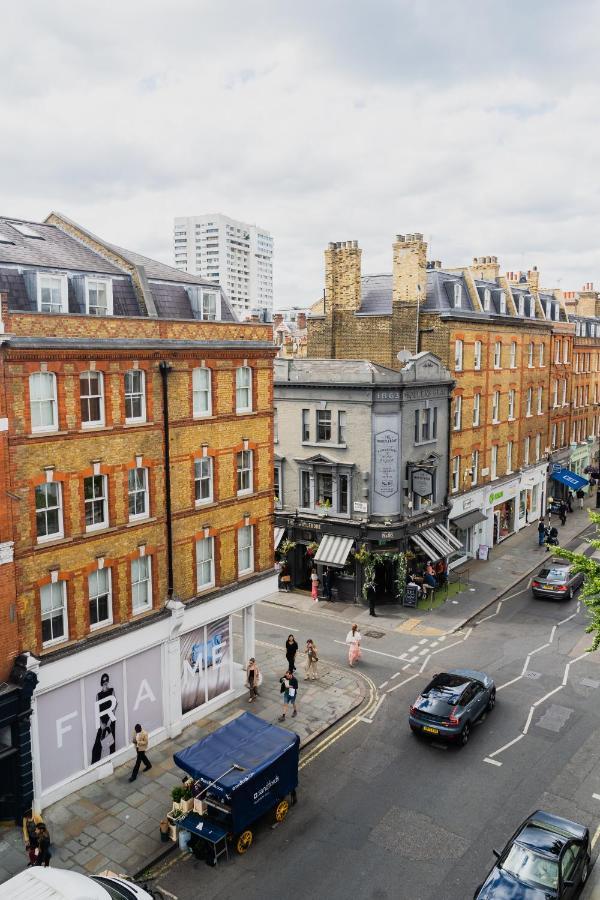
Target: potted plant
[(176, 795), (312, 548), (187, 799), (323, 507), (286, 547)]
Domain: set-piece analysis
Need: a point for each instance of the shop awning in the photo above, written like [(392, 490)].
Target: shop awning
[(467, 520), (279, 533), (571, 479), (437, 542), (333, 550)]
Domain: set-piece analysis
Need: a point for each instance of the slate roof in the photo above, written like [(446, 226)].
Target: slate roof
[(56, 249)]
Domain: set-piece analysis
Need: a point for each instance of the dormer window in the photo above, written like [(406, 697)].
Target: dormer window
[(206, 304), (98, 297), (502, 303), (457, 295), (556, 312), (521, 304), (487, 299), (532, 307), (52, 293)]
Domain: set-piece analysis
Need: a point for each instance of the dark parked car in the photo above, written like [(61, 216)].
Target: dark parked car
[(547, 857), (451, 703), (556, 580)]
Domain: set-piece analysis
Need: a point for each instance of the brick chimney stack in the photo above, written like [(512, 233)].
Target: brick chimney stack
[(342, 275), (409, 268), (301, 320), (533, 279), (486, 268)]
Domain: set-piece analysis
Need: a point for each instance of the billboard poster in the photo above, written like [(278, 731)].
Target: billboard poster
[(205, 664), (87, 720)]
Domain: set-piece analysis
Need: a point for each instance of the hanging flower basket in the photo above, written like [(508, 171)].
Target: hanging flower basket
[(286, 547), (312, 548)]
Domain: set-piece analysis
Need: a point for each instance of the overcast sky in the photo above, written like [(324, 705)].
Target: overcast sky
[(473, 121)]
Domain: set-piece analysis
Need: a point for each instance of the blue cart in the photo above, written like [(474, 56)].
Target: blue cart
[(242, 771)]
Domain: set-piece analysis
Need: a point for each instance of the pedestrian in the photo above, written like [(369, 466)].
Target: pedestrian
[(312, 658), (289, 689), (541, 532), (314, 585), (140, 740), (327, 578), (291, 648), (42, 851), (580, 496), (441, 572), (371, 596), (563, 512), (570, 501), (278, 568), (253, 679), (285, 577), (429, 575), (353, 639), (30, 821)]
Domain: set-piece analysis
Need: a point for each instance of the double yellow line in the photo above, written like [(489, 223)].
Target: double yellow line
[(331, 737)]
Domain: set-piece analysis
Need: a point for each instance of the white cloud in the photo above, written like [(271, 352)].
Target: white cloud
[(471, 122)]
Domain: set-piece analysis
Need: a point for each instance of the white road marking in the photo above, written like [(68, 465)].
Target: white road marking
[(442, 637), (506, 746), (288, 628), (413, 648), (434, 644), (492, 762), (369, 719), (424, 641), (368, 650), (404, 668), (423, 652), (382, 685), (448, 646), (395, 675), (402, 683), (596, 836), (596, 796), (425, 661)]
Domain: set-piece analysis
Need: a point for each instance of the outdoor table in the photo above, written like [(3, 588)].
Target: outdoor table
[(207, 831)]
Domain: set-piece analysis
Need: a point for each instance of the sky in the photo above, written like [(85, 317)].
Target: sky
[(474, 122)]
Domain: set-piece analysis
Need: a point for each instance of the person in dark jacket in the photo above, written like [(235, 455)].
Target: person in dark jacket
[(563, 513), (291, 648), (541, 532), (580, 496), (289, 689), (42, 854), (570, 502)]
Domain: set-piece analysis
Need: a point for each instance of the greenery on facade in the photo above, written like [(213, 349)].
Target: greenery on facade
[(590, 592), (369, 561), (286, 546)]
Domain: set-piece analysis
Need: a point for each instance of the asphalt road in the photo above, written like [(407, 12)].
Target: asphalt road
[(383, 814)]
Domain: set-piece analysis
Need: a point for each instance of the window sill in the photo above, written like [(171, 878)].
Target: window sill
[(100, 625), (511, 419), (205, 588), (202, 504), (245, 412), (99, 426), (143, 520), (94, 529), (52, 542), (247, 493), (48, 433), (246, 573), (329, 444), (50, 644), (496, 421), (139, 612), (136, 423), (422, 443), (202, 417)]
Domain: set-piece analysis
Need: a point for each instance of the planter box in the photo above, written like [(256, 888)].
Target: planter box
[(187, 805), (199, 807), (173, 832), (176, 809)]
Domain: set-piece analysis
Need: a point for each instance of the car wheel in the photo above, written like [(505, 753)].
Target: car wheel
[(570, 594), (491, 701), (464, 735)]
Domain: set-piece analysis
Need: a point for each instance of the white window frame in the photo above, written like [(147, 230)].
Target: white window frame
[(541, 362), (129, 420), (555, 393), (494, 462), (531, 306), (487, 300), (476, 410), (342, 426), (241, 469), (457, 417), (95, 575), (557, 350), (540, 400), (48, 378), (513, 354), (147, 579), (565, 351), (94, 284), (199, 374), (554, 434), (530, 352), (498, 355), (502, 303), (509, 457), (208, 302), (495, 407), (457, 295), (474, 467), (458, 356), (206, 543), (529, 402), (538, 447), (455, 474), (521, 304), (55, 535), (134, 517), (246, 530), (91, 423), (278, 487), (240, 388), (526, 451), (43, 283), (477, 356), (564, 392), (101, 498), (201, 463), (52, 588), (511, 404)]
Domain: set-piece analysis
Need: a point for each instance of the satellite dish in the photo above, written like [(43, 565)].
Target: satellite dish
[(403, 356)]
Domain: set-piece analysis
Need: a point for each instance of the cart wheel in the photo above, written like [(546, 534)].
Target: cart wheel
[(244, 842), (281, 810)]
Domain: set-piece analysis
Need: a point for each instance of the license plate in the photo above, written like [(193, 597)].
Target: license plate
[(548, 587), (430, 729)]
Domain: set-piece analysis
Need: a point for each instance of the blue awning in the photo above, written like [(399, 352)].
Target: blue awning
[(571, 479)]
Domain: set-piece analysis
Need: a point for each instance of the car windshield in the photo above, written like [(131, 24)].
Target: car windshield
[(116, 891), (557, 576), (527, 865)]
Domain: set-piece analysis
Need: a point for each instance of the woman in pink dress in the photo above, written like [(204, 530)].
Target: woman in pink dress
[(353, 639), (314, 585)]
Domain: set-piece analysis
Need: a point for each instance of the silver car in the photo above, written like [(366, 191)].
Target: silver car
[(556, 580)]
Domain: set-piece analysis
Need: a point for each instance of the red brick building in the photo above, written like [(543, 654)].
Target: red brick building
[(136, 486)]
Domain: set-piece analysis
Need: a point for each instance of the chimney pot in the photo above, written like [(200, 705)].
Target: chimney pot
[(418, 236), (331, 245), (401, 238)]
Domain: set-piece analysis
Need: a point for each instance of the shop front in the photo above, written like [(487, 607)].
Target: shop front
[(163, 676), (466, 523), (582, 458)]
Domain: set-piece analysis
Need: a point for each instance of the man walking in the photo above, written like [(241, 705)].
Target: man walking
[(289, 689), (541, 533), (580, 496), (140, 739)]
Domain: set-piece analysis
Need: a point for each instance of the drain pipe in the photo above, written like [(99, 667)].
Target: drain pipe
[(164, 369)]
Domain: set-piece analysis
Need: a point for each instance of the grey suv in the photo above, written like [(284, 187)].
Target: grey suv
[(556, 580)]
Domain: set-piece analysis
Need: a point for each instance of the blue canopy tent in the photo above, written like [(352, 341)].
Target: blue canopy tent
[(248, 765), (572, 480)]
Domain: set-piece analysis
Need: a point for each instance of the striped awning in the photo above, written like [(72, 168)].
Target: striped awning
[(333, 550), (436, 543), (279, 533)]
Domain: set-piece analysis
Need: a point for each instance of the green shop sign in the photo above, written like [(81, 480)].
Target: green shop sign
[(496, 496)]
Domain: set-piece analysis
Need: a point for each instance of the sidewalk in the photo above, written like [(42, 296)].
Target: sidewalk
[(592, 888), (113, 824), (484, 582)]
